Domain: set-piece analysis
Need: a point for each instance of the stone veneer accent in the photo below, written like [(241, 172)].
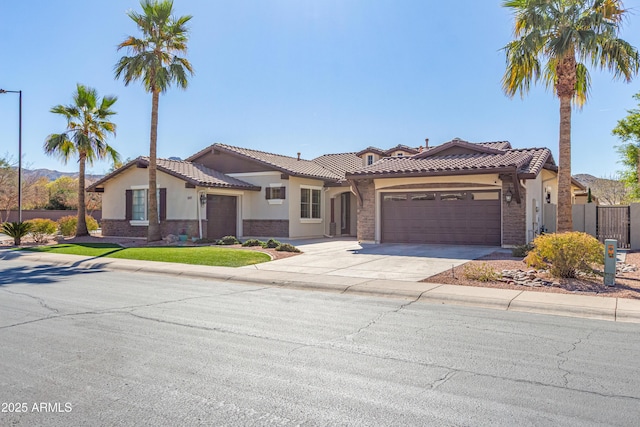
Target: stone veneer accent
[(122, 227), (514, 217), (265, 227), (366, 212)]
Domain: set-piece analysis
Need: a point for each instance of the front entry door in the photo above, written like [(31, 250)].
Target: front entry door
[(221, 216), (345, 213)]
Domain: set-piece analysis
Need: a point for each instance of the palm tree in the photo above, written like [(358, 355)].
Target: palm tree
[(555, 40), (155, 60), (88, 126)]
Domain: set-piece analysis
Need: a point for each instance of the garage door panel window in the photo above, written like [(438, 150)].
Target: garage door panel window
[(395, 197), (485, 195), (453, 196), (423, 197)]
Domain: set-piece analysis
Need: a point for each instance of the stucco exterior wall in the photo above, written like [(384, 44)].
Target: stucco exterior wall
[(300, 227), (490, 180), (255, 204), (534, 200), (182, 202)]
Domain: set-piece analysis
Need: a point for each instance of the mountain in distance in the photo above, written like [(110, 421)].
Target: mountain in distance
[(52, 175)]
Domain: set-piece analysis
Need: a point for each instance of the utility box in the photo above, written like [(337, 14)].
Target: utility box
[(610, 260)]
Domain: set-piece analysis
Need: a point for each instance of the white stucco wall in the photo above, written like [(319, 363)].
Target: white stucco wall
[(181, 202)]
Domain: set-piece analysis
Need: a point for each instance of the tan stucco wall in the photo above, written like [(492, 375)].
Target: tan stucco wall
[(487, 179), (255, 205), (334, 193), (534, 200), (305, 228), (181, 202)]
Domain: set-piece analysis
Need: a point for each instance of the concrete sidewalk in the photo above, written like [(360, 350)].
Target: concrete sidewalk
[(593, 307)]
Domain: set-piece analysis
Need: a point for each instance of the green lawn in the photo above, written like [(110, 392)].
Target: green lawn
[(200, 255)]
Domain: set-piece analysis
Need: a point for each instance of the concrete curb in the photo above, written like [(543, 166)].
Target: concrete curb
[(592, 307)]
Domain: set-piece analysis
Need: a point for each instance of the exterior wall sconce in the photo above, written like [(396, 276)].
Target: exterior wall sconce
[(203, 199), (508, 196)]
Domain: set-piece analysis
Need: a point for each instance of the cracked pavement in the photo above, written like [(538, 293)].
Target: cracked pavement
[(140, 348)]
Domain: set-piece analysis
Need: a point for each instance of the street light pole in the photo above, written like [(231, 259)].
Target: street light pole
[(19, 92)]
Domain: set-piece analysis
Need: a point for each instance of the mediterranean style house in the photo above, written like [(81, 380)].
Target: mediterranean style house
[(457, 193)]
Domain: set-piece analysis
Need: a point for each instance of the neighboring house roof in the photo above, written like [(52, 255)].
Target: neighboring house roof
[(289, 165), (480, 159), (193, 173), (384, 153)]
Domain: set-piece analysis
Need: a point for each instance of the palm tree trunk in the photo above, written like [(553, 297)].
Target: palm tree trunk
[(153, 233), (565, 210), (81, 228)]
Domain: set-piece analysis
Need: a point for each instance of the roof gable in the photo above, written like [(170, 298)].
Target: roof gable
[(459, 147), (192, 173), (285, 164)]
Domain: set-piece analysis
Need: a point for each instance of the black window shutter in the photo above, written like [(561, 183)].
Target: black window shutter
[(128, 210), (163, 204), (267, 193), (283, 192)]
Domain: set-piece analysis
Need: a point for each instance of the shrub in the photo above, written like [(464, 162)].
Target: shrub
[(42, 228), (228, 240), (522, 250), (566, 254), (287, 247), (480, 272), (17, 230), (253, 242), (69, 223), (206, 241), (272, 243)]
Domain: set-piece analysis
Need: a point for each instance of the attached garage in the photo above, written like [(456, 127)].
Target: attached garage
[(469, 217)]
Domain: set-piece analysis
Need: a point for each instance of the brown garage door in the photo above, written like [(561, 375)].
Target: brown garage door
[(453, 217), (221, 216)]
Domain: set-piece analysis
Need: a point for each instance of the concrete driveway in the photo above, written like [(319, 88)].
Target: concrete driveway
[(348, 258)]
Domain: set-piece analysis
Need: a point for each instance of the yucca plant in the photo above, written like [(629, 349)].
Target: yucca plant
[(17, 230)]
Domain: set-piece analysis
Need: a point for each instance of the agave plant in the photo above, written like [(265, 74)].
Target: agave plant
[(17, 230)]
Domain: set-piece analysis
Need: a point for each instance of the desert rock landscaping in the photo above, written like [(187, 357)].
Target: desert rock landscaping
[(501, 270)]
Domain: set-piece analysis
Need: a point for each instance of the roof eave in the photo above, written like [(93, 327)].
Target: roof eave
[(469, 171)]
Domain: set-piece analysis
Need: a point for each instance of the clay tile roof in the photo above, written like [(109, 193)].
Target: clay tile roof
[(497, 145), (340, 163), (525, 161), (200, 175), (286, 164), (403, 148), (371, 149), (193, 173)]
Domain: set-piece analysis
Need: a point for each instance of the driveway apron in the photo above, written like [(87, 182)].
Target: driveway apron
[(348, 258)]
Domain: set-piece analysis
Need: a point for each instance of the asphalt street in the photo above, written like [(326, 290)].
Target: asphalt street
[(81, 347)]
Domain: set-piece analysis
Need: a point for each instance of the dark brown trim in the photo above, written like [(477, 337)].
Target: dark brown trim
[(189, 185), (354, 185), (163, 204), (128, 205)]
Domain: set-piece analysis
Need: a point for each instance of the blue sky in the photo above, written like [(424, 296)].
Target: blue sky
[(288, 76)]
